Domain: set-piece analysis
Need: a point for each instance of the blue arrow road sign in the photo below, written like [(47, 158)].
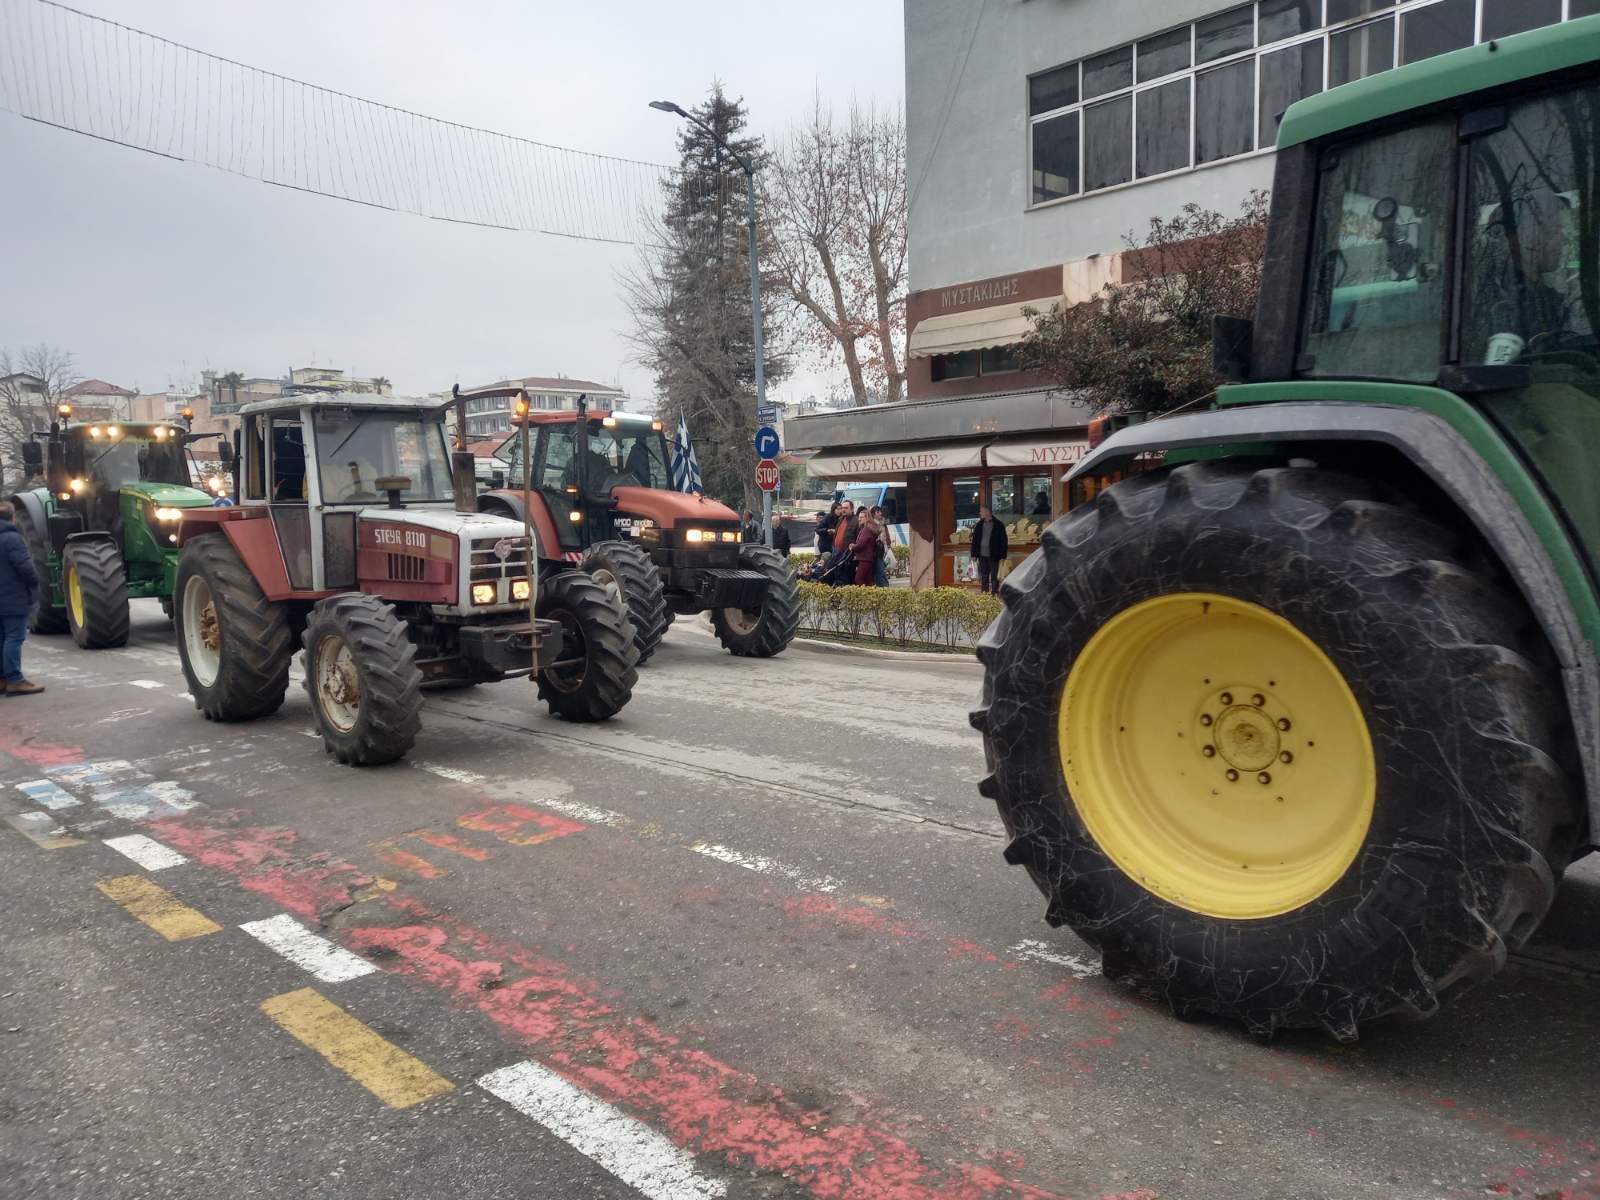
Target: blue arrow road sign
[(767, 442)]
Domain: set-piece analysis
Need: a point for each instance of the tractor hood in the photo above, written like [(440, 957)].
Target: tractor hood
[(666, 508), (447, 520), (169, 495)]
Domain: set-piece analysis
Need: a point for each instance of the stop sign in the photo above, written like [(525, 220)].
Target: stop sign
[(767, 475)]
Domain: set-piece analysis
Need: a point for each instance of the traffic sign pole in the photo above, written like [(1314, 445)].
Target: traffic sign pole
[(767, 476)]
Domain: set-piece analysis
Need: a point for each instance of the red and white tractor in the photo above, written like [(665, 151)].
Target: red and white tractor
[(353, 538)]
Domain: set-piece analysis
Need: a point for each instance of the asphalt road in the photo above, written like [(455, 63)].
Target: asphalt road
[(753, 938)]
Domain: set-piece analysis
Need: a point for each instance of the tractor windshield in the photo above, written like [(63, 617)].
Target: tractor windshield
[(136, 459), (1376, 303), (627, 454), (355, 449)]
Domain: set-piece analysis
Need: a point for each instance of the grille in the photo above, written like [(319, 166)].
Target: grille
[(487, 565), (407, 568)]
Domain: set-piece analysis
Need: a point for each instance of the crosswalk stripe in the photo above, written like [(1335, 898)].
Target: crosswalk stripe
[(156, 907), (329, 963), (377, 1064), (633, 1152), (51, 795), (147, 852)]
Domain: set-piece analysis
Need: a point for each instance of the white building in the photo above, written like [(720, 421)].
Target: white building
[(490, 415)]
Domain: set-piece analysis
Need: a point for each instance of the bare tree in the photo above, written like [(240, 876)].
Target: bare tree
[(31, 383), (1145, 344), (836, 206)]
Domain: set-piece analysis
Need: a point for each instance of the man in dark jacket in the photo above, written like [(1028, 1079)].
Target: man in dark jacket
[(19, 587), (781, 542), (750, 529), (988, 549)]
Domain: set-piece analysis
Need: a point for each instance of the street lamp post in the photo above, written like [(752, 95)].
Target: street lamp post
[(755, 280)]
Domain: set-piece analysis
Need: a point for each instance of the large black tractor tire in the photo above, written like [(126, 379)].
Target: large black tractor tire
[(595, 675), (96, 586), (45, 617), (363, 679), (768, 630), (1458, 753), (234, 643), (627, 572)]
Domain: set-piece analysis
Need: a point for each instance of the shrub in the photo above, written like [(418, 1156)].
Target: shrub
[(941, 616)]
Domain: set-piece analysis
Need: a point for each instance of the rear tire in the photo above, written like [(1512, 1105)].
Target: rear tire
[(234, 643), (768, 630), (363, 679), (45, 617), (597, 648), (96, 586), (1471, 813), (626, 571)]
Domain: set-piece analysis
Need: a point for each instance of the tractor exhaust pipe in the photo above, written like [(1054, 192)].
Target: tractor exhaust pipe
[(463, 468)]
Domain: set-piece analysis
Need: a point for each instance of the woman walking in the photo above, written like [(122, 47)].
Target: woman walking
[(885, 560)]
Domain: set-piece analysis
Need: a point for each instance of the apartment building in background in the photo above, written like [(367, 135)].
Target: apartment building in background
[(1040, 134), (490, 416)]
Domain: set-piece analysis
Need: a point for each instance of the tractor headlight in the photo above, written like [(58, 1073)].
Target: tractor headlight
[(169, 514), (699, 535), (728, 535), (519, 589), (76, 486), (161, 433), (483, 593)]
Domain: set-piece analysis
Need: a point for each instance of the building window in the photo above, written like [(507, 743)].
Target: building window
[(955, 366), (1215, 89), (998, 360)]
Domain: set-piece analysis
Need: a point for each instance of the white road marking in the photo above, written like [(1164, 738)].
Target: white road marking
[(147, 852), (1041, 952), (767, 866), (329, 963), (582, 812), (42, 791), (145, 683), (634, 1153), (454, 774)]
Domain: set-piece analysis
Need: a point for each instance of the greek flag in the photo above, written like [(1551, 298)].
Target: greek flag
[(685, 466)]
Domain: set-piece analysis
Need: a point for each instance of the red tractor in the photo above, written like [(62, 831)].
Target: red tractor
[(349, 538), (600, 498)]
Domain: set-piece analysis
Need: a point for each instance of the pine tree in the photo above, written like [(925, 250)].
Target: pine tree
[(690, 297)]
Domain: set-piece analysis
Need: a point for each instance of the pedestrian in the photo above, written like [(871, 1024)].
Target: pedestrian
[(1041, 505), (865, 547), (844, 531), (988, 549), (827, 523), (19, 588), (884, 563), (750, 531), (781, 541)]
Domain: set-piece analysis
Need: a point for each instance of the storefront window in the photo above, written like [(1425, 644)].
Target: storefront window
[(1003, 496), (969, 498), (1035, 495)]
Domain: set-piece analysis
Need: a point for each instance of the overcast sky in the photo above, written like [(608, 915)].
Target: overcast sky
[(149, 271)]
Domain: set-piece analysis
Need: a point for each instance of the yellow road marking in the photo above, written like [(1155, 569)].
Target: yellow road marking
[(156, 908), (378, 1065)]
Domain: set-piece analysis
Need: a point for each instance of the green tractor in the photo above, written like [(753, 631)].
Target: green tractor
[(103, 529), (1301, 727)]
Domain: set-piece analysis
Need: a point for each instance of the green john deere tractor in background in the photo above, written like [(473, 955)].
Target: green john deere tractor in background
[(103, 528), (1302, 726)]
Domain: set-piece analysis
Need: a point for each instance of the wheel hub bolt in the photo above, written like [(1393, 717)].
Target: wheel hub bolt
[(1227, 697), (1283, 724), (1206, 718), (1286, 757), (1258, 699), (1263, 778), (1208, 751), (1233, 776)]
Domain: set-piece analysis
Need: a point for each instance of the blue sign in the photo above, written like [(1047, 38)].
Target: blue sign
[(767, 414), (767, 442)]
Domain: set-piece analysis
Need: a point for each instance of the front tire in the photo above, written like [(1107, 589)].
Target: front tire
[(1273, 749), (234, 643), (595, 675), (45, 617), (96, 587), (768, 630), (363, 679), (626, 571)]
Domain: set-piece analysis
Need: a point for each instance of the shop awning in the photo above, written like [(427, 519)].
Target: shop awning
[(1043, 450), (894, 462), (952, 333)]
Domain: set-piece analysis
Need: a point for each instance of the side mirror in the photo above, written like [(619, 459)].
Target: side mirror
[(224, 452), (1230, 347), (32, 455)]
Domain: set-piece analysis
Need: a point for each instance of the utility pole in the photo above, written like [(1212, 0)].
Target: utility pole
[(755, 281)]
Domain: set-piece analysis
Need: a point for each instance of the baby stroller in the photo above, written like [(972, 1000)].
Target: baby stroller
[(836, 570)]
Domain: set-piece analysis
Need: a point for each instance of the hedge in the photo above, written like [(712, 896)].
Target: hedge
[(938, 616)]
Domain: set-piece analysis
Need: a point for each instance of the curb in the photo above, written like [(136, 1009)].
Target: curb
[(816, 646)]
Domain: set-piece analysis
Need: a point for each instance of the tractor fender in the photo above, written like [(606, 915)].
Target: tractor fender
[(93, 535), (31, 504), (1444, 456), (511, 503)]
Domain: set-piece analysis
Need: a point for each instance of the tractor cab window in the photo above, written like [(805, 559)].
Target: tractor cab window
[(1375, 306), (288, 459), (356, 449), (133, 458), (630, 454)]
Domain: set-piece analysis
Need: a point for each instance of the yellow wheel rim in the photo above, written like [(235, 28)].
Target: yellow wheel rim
[(1217, 756), (75, 596)]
